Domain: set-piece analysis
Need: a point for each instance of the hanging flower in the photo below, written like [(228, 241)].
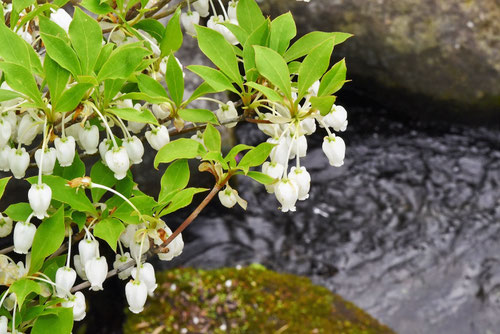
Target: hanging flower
[(88, 249), (279, 153), (189, 20), (77, 302), (227, 197), (104, 147), (5, 226), (298, 147), (5, 132), (96, 270), (227, 112), (158, 137), (89, 138), (336, 118), (135, 127), (49, 160), (27, 130), (120, 261), (231, 11), (39, 197), (61, 18), (334, 148), (80, 270), (118, 161), (65, 150), (287, 194), (215, 23), (5, 153), (3, 324), (274, 170), (135, 149), (308, 125), (302, 179), (135, 248), (19, 162), (175, 247), (24, 232), (146, 275), (128, 236), (202, 7), (65, 279), (136, 293)]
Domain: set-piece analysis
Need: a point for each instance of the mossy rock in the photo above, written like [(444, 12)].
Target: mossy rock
[(247, 300)]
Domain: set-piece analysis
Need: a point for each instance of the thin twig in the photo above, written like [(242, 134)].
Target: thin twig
[(7, 250)]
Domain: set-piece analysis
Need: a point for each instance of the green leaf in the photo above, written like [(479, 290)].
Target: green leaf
[(96, 6), (3, 184), (57, 78), (79, 218), (111, 88), (181, 199), (311, 40), (220, 52), (216, 79), (261, 177), (49, 237), (22, 288), (182, 148), (201, 90), (103, 56), (259, 37), (215, 156), (6, 95), (333, 80), (268, 92), (122, 62), (102, 175), (212, 138), (77, 169), (132, 114), (145, 97), (272, 66), (283, 29), (256, 156), (150, 86), (230, 157), (152, 27), (86, 38), (17, 7), (16, 50), (172, 39), (109, 230), (294, 67), (249, 15), (176, 177), (62, 193), (238, 32), (21, 79), (314, 66), (126, 213), (175, 80), (71, 98), (198, 116), (19, 211), (323, 104), (61, 322)]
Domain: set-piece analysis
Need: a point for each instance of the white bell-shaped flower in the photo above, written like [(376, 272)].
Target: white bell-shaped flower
[(135, 248), (5, 153), (74, 131), (274, 170), (10, 302), (24, 232), (286, 192), (146, 275), (158, 137), (308, 125), (96, 270), (334, 148), (189, 20), (49, 160), (313, 90), (135, 127), (88, 249), (104, 147), (162, 111), (135, 149), (227, 112), (231, 11), (175, 248), (10, 116), (5, 131), (202, 7), (279, 153), (62, 18), (3, 324), (65, 150), (65, 279), (136, 293), (215, 23), (27, 130), (299, 147), (19, 162), (127, 236), (118, 161), (163, 66), (269, 128), (336, 118), (120, 261), (302, 179), (227, 197), (77, 302), (80, 270), (89, 138), (39, 197), (25, 35), (5, 226)]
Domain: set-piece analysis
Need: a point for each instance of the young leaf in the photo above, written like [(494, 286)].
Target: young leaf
[(21, 79), (283, 29), (48, 238), (111, 88), (231, 156), (152, 27), (109, 230), (323, 104), (309, 41), (261, 177), (17, 50), (175, 80), (96, 6), (333, 80), (272, 66), (176, 177), (172, 39), (103, 56), (201, 90), (86, 38), (212, 139), (220, 52), (256, 156), (23, 287), (268, 92), (150, 86), (314, 66), (126, 213), (259, 37), (6, 95), (102, 175), (181, 199), (216, 79), (198, 116), (122, 62), (3, 184), (134, 115), (57, 78), (182, 148), (249, 15), (19, 211), (72, 97)]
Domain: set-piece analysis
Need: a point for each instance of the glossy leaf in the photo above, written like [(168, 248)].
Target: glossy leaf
[(57, 78), (96, 6), (152, 27), (261, 177), (3, 184), (314, 66), (268, 92), (181, 199), (16, 50), (256, 156), (283, 29), (309, 41), (323, 104), (272, 66), (23, 287), (172, 39), (131, 114), (259, 37), (150, 86), (215, 78), (198, 116), (212, 138), (122, 62), (249, 15), (109, 230), (176, 177), (21, 79), (86, 38), (19, 211), (59, 321), (182, 148), (6, 95), (334, 79), (71, 98), (175, 80), (102, 175)]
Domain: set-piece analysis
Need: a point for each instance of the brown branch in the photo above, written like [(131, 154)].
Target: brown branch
[(7, 250)]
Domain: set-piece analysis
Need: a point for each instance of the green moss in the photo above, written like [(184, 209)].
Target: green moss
[(249, 300)]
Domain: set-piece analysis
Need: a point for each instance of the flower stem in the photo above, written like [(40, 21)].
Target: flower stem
[(44, 142), (97, 185), (106, 125)]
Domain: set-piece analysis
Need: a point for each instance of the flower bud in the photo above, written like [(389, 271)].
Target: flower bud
[(65, 150), (120, 261), (279, 153), (5, 226), (24, 232), (161, 111), (334, 148), (19, 162), (77, 302), (88, 249), (201, 6), (189, 20), (61, 18), (274, 170), (136, 293), (65, 279), (227, 112), (227, 197), (5, 131), (146, 275), (96, 270), (80, 270), (336, 118), (302, 179), (158, 137), (49, 160), (135, 149), (287, 194), (89, 138), (39, 197), (27, 130), (118, 161), (5, 153)]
